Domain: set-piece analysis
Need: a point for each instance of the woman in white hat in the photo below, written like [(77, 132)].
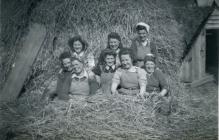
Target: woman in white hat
[(141, 45)]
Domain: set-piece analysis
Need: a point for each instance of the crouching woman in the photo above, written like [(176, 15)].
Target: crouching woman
[(132, 79)]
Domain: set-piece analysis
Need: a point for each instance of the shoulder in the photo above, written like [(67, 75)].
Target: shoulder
[(134, 40), (119, 72), (159, 73), (90, 73), (140, 70)]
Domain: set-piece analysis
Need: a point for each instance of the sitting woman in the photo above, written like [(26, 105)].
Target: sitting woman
[(156, 79), (115, 44), (104, 72), (79, 50), (157, 87), (82, 81), (76, 80), (131, 79)]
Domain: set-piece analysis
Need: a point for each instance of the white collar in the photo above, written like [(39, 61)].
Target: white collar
[(132, 69), (83, 74), (108, 67), (117, 51), (79, 55), (145, 42)]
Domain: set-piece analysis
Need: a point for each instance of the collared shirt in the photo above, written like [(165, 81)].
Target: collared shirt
[(110, 68), (82, 75), (145, 42), (104, 68), (117, 51), (81, 54)]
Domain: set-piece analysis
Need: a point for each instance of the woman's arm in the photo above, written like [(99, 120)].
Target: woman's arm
[(116, 81), (162, 83), (163, 92), (142, 81), (114, 88)]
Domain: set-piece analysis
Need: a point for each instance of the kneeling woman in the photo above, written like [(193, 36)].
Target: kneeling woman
[(131, 79)]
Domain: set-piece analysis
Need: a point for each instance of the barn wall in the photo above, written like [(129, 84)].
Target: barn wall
[(193, 66), (198, 57), (185, 69), (213, 21)]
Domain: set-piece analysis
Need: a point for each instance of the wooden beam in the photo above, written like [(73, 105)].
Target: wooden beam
[(204, 3), (24, 60)]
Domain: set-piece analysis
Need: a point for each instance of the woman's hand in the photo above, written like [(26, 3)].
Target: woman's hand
[(141, 95), (163, 92), (114, 92)]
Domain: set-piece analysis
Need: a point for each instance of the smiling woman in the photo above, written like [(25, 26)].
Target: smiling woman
[(132, 79), (115, 44), (79, 50), (104, 72), (141, 45)]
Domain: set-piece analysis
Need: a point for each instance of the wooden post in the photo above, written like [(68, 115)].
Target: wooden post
[(24, 60)]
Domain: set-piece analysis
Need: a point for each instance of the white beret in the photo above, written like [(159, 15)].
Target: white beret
[(144, 25)]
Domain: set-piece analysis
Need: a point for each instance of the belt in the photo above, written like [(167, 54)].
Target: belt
[(140, 59), (131, 88)]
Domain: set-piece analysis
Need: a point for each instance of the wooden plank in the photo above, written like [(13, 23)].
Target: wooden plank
[(212, 26), (213, 22), (204, 3), (24, 60)]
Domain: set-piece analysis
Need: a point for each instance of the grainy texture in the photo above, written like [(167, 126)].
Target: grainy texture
[(173, 22)]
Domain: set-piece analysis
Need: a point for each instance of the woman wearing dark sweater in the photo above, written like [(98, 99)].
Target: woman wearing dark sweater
[(141, 45)]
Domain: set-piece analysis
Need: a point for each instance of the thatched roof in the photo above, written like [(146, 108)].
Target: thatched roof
[(198, 31)]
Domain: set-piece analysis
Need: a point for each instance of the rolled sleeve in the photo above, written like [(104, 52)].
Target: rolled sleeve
[(142, 76), (162, 80), (117, 76)]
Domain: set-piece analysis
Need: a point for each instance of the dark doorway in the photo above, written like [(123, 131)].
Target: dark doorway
[(212, 51)]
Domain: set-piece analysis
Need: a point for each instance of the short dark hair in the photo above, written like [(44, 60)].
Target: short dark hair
[(141, 28), (127, 51), (115, 35), (150, 57), (109, 52), (77, 38), (64, 55), (77, 59)]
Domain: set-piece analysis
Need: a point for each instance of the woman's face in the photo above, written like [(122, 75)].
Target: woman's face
[(77, 45), (150, 66), (77, 67), (110, 60), (142, 35), (126, 61), (67, 64), (114, 43)]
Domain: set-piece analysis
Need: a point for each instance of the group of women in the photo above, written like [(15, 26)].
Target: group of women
[(120, 70)]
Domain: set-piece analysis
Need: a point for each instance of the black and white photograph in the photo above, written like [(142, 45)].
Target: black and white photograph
[(109, 69)]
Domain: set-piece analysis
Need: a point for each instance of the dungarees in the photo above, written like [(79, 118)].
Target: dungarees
[(129, 83), (141, 52), (106, 81)]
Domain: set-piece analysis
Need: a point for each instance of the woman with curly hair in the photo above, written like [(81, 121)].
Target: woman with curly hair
[(79, 49), (114, 43)]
